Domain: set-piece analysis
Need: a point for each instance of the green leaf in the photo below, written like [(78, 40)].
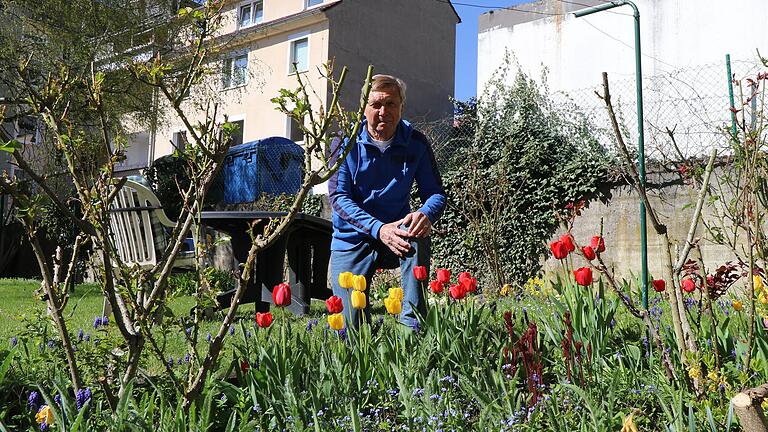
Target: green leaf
[(11, 146)]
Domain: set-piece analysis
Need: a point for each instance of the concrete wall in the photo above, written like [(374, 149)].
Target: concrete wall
[(675, 204), (412, 39)]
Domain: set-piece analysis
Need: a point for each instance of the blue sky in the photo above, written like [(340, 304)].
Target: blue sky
[(466, 42)]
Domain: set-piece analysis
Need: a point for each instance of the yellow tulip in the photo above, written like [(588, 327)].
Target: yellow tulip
[(763, 298), (737, 305), (345, 280), (394, 306), (396, 293), (506, 290), (336, 321), (629, 424), (45, 415), (358, 299), (358, 282), (758, 282)]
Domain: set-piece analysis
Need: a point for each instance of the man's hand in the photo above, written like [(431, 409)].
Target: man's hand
[(395, 238), (418, 224)]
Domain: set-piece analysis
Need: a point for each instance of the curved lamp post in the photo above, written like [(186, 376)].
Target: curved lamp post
[(640, 141)]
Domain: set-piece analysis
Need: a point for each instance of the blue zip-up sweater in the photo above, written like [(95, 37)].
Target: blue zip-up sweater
[(372, 187)]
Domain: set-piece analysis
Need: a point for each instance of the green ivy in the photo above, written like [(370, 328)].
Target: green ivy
[(516, 158)]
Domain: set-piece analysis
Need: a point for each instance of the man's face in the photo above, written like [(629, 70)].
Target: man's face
[(383, 113)]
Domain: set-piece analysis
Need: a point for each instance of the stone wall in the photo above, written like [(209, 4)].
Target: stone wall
[(674, 202)]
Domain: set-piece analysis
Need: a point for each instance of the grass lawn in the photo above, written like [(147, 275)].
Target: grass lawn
[(20, 310)]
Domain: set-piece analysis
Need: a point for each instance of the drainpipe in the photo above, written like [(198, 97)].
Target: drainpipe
[(641, 136)]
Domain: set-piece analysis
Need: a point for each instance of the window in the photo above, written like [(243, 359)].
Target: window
[(251, 14), (299, 55), (235, 71), (180, 139), (237, 134), (310, 3), (295, 133)]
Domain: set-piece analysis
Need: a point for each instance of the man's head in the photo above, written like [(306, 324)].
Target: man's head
[(385, 106)]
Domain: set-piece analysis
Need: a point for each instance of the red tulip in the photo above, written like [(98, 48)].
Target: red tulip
[(334, 305), (583, 276), (559, 249), (420, 272), (567, 240), (444, 276), (659, 285), (436, 286), (589, 253), (244, 366), (688, 285), (264, 319), (281, 295), (457, 292), (598, 244), (468, 282)]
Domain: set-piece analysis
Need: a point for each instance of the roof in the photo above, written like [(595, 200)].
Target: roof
[(454, 10)]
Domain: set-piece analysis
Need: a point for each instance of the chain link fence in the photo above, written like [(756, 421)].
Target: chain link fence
[(692, 103)]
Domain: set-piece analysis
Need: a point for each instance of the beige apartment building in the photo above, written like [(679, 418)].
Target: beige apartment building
[(413, 39)]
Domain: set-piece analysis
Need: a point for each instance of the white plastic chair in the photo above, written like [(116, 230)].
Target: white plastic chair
[(139, 225)]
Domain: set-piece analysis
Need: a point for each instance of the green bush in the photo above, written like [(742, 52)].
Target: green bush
[(516, 160)]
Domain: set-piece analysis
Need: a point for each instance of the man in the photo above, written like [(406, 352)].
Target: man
[(373, 225)]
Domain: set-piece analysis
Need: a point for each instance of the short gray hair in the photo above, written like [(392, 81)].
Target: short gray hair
[(380, 82)]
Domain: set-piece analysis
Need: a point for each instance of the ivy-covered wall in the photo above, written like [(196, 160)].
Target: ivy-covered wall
[(514, 160)]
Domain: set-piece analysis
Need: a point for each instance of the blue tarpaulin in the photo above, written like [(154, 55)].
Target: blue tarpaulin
[(271, 166)]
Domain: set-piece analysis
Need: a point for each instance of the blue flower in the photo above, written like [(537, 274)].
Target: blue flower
[(309, 325), (247, 333), (97, 322), (80, 335), (209, 337), (170, 361), (105, 321), (33, 401), (186, 358), (51, 344), (231, 330), (57, 399), (82, 396), (14, 341), (87, 337)]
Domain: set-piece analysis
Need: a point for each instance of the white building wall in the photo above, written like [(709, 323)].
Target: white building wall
[(683, 42), (675, 34)]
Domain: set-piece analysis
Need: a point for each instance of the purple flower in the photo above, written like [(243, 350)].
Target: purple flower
[(247, 333), (170, 361), (186, 358), (14, 341), (57, 399), (97, 322), (87, 337), (43, 426), (51, 344), (208, 338), (231, 330), (33, 401), (82, 396), (105, 321), (80, 335)]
